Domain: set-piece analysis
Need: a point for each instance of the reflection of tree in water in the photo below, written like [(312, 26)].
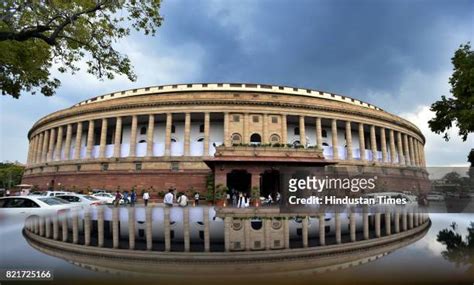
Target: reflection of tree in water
[(458, 251)]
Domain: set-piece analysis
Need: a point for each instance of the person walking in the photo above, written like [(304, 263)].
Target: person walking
[(168, 199), (196, 199), (118, 196), (125, 198), (133, 198), (146, 196), (182, 200)]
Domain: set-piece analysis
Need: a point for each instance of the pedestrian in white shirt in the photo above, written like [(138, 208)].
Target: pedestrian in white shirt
[(168, 199), (182, 200), (146, 196)]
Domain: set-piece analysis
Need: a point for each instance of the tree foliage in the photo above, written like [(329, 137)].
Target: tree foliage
[(459, 108), (10, 174), (36, 35)]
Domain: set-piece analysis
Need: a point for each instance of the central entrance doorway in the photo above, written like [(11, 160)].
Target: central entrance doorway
[(239, 181), (270, 183)]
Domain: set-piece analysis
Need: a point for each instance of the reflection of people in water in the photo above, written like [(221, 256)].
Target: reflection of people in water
[(458, 251)]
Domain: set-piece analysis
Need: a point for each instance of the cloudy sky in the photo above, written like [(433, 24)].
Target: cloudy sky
[(394, 54)]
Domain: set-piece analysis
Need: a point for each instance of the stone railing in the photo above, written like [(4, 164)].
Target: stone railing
[(268, 151)]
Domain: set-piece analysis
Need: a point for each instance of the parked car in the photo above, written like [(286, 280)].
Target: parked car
[(84, 201), (106, 197), (26, 206), (434, 197), (49, 193)]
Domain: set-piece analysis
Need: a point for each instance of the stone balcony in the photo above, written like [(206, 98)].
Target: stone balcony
[(260, 152)]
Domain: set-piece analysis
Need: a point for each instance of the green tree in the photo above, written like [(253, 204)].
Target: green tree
[(34, 35), (459, 108), (10, 174)]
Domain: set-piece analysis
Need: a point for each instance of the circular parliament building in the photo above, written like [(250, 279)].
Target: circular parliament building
[(239, 134)]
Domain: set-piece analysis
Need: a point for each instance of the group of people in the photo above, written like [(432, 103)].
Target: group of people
[(182, 199), (242, 200)]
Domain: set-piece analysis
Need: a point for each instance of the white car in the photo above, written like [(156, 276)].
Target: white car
[(106, 197), (434, 197), (84, 201), (21, 207), (49, 193)]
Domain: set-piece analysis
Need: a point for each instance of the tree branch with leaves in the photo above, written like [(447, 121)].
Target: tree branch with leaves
[(36, 35)]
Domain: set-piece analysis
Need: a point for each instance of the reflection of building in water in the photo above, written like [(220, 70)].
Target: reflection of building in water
[(259, 241), (176, 135)]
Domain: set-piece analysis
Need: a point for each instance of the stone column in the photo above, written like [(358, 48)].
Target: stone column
[(373, 143), (383, 144), (377, 224), (335, 152), (397, 221), (410, 220), (365, 219), (133, 137), (337, 221), (267, 225), (131, 228), (415, 219), (187, 134), (67, 145), (148, 228), (44, 151), (227, 227), (362, 142), (205, 219), (115, 227), (55, 228), (169, 123), (167, 229), (412, 151), (39, 148), (388, 223), (304, 234), (349, 140), (286, 234), (100, 227), (64, 227), (284, 131), (52, 139), (246, 126), (90, 139), (77, 146), (319, 133), (322, 230), (406, 151), (87, 227), (392, 146), (30, 147), (149, 135), (302, 132), (41, 226), (186, 236), (227, 141), (206, 133), (352, 221), (404, 221), (59, 144), (103, 138), (247, 234), (401, 157), (75, 228), (118, 136), (265, 138), (36, 225), (32, 155)]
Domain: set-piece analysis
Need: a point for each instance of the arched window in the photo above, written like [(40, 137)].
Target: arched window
[(296, 143), (173, 129), (255, 138), (143, 131), (296, 131), (236, 138), (324, 133), (325, 144), (201, 128), (142, 141), (275, 138), (200, 140)]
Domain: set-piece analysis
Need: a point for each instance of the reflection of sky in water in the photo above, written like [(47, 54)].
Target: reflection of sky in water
[(413, 262)]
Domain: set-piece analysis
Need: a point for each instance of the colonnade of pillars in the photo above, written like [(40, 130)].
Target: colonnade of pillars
[(50, 227), (46, 145)]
